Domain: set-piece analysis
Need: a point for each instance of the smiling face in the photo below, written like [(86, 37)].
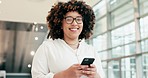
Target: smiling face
[(72, 25)]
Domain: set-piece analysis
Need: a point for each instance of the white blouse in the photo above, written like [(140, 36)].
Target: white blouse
[(54, 56)]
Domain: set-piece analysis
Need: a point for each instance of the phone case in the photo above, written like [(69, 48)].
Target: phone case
[(87, 61)]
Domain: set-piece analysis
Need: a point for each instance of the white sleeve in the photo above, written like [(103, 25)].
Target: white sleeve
[(99, 66), (40, 67)]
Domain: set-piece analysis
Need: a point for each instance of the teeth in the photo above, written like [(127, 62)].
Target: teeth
[(74, 29)]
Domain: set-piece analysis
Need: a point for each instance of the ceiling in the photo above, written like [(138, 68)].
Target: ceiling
[(29, 10), (20, 25)]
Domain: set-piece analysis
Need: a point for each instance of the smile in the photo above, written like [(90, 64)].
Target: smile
[(73, 29)]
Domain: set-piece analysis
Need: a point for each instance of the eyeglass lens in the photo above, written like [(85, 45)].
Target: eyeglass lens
[(70, 19)]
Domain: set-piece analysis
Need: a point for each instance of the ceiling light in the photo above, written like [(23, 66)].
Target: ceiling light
[(41, 27), (32, 53), (29, 65), (35, 23), (36, 38), (36, 29)]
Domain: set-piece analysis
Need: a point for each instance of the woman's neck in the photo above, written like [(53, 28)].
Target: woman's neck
[(71, 41), (74, 44)]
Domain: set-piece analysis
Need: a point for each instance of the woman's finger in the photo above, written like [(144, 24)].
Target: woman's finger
[(92, 66), (88, 72)]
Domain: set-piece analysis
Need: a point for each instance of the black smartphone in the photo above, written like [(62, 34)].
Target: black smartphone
[(87, 61)]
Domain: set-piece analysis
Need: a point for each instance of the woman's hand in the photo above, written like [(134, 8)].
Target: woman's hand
[(74, 71), (77, 70), (90, 72)]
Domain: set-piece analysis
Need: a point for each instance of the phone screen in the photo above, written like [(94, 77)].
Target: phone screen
[(87, 61)]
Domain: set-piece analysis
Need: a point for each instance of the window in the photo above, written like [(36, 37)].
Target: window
[(100, 42), (113, 4), (123, 35), (99, 9), (143, 7), (144, 46), (145, 65), (122, 15), (100, 26), (128, 67), (103, 55), (144, 27), (113, 68)]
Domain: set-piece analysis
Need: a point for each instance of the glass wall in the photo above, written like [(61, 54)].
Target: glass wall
[(114, 68), (121, 37), (128, 68), (145, 65)]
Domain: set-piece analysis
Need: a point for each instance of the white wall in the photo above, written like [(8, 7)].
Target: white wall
[(28, 10), (24, 10)]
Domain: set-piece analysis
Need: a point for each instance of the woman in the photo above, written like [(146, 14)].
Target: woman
[(61, 56)]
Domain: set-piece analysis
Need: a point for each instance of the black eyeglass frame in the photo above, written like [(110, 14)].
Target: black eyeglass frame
[(76, 19)]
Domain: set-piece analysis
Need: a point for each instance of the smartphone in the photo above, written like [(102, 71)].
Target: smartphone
[(87, 61)]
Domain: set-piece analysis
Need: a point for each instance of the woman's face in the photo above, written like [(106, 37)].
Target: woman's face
[(72, 25)]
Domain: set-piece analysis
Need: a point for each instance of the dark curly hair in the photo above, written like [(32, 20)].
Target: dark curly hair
[(57, 13)]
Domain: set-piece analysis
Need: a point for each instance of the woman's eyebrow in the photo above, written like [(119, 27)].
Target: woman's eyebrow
[(72, 16)]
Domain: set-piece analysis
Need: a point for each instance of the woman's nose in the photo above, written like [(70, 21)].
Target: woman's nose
[(74, 23)]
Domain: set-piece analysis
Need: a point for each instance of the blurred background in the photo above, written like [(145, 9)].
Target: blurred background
[(120, 35)]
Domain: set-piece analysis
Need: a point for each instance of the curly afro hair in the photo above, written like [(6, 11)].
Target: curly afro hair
[(57, 13)]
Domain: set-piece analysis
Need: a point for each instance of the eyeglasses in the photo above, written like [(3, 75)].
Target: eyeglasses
[(70, 19)]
